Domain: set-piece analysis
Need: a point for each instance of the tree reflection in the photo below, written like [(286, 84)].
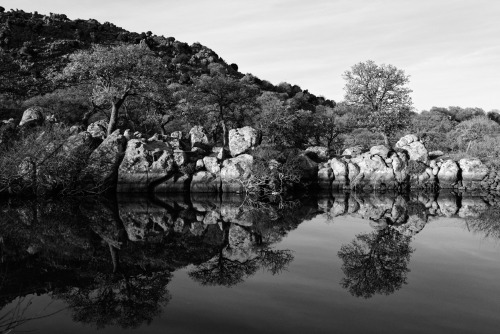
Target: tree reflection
[(240, 254), (119, 300), (375, 263)]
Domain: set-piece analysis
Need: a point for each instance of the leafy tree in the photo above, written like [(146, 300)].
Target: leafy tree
[(221, 99), (472, 130), (381, 90), (117, 73)]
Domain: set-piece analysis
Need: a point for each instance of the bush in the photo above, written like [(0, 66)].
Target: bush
[(40, 163)]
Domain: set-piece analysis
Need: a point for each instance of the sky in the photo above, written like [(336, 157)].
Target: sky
[(449, 48)]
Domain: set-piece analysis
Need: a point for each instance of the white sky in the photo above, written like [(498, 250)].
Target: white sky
[(450, 48)]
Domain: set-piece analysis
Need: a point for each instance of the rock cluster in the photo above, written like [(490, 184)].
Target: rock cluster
[(407, 166)]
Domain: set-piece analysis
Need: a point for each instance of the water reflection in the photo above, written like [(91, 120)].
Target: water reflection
[(111, 261)]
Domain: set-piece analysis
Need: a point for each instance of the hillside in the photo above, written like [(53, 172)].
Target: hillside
[(33, 44)]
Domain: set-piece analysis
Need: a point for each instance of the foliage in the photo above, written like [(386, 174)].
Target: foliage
[(39, 162), (382, 91), (219, 99), (116, 73)]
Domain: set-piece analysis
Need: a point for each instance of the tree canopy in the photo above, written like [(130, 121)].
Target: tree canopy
[(381, 90)]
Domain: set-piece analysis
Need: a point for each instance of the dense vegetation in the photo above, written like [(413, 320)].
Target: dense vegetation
[(81, 71)]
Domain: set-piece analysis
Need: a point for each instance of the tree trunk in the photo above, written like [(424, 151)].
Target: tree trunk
[(114, 257), (225, 136), (115, 107), (386, 140)]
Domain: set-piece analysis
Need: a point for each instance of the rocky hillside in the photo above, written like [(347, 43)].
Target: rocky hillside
[(32, 44)]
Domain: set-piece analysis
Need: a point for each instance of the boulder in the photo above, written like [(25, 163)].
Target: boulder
[(473, 172), (32, 117), (145, 163), (205, 182), (353, 151), (211, 164), (98, 129), (415, 149), (340, 173), (448, 174), (243, 139), (177, 183), (399, 163), (325, 178), (381, 150), (235, 169), (101, 171), (373, 172), (198, 137), (80, 145)]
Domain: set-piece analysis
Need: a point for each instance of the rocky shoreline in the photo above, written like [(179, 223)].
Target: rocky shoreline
[(127, 162)]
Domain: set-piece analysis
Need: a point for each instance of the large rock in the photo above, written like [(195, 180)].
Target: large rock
[(374, 172), (211, 164), (243, 139), (448, 174), (32, 116), (80, 145), (353, 151), (399, 163), (102, 168), (340, 173), (325, 178), (235, 170), (198, 137), (177, 183), (415, 149), (380, 150), (473, 172), (205, 182), (144, 165), (98, 129)]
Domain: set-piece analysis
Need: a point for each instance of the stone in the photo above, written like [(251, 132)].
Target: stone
[(415, 149), (381, 150), (198, 137), (32, 117), (473, 172), (81, 144), (472, 207), (235, 169), (325, 178), (353, 151), (98, 129), (101, 171), (320, 151), (211, 164), (177, 135), (373, 172), (205, 182), (340, 173), (243, 139), (180, 157), (177, 183), (448, 174), (144, 164), (399, 166)]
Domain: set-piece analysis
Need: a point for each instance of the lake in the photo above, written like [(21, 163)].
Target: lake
[(348, 263)]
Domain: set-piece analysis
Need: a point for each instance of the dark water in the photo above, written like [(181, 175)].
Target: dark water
[(348, 264)]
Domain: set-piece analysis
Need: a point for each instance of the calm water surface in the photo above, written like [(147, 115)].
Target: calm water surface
[(348, 264)]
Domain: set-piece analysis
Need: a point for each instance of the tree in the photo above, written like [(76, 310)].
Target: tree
[(222, 98), (381, 90), (472, 130), (117, 73)]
